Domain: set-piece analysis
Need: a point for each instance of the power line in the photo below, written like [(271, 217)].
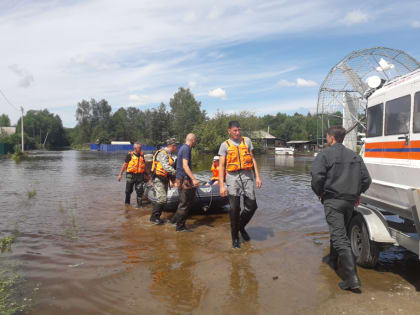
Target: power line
[(8, 102)]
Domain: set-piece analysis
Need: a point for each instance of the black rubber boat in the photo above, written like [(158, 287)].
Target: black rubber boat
[(206, 198)]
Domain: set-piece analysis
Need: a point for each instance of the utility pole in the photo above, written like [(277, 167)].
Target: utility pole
[(21, 125)]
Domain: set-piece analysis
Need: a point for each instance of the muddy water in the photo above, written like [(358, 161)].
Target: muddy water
[(86, 253)]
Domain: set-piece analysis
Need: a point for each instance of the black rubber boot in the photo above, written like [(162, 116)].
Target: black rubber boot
[(156, 213), (139, 202), (347, 266), (249, 209), (333, 258), (127, 198), (235, 208)]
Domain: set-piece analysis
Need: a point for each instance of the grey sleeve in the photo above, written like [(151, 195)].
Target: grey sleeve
[(249, 144), (163, 159), (223, 149)]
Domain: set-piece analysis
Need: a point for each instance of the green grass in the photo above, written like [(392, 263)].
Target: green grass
[(80, 147), (6, 244), (19, 156), (31, 194), (15, 296)]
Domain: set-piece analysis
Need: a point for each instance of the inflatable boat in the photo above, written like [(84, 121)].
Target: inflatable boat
[(206, 198)]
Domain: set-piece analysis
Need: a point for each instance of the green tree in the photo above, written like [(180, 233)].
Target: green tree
[(42, 126), (4, 121), (186, 113)]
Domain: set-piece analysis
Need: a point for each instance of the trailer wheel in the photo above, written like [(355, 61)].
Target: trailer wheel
[(365, 250)]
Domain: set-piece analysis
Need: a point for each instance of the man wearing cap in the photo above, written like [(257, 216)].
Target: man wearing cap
[(136, 171), (237, 159), (163, 169)]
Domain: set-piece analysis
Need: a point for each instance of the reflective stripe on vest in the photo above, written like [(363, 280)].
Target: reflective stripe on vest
[(238, 157), (157, 166), (136, 164)]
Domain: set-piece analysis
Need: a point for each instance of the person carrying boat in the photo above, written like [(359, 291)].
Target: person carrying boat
[(237, 158), (163, 169), (339, 176), (136, 174), (185, 182)]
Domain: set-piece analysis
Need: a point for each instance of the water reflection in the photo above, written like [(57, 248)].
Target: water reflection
[(284, 161), (243, 287)]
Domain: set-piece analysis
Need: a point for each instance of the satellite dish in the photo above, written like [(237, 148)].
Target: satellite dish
[(374, 81), (343, 93)]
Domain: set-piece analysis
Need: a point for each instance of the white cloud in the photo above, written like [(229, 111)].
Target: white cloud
[(415, 24), (26, 79), (145, 99), (355, 17), (192, 84), (305, 83), (217, 93), (299, 83)]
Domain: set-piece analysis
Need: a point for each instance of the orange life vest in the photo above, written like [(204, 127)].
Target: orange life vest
[(238, 157), (215, 171), (136, 164), (157, 166)]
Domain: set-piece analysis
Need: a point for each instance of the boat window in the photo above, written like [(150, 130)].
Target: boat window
[(416, 116), (397, 115), (375, 116)]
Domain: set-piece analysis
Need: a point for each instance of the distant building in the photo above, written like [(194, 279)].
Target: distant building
[(268, 141), (8, 130), (302, 145)]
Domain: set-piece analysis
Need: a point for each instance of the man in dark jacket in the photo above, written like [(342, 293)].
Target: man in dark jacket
[(339, 176)]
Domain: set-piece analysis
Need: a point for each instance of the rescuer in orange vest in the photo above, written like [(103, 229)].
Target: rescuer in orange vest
[(136, 174), (214, 172), (237, 158)]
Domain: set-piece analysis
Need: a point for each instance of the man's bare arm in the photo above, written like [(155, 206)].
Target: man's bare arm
[(189, 172), (257, 173)]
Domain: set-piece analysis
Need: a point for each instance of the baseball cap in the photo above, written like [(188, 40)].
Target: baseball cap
[(216, 158), (171, 141)]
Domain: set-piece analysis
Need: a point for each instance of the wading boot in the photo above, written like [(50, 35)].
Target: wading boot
[(347, 268), (332, 259), (249, 209), (139, 202), (156, 213), (127, 199), (234, 220), (173, 220)]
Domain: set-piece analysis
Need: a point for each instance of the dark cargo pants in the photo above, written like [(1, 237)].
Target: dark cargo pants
[(135, 181), (338, 214), (186, 200)]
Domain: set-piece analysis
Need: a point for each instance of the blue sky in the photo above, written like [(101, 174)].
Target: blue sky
[(261, 56)]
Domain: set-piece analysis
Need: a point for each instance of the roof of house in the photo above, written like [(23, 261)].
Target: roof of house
[(261, 134), (8, 130)]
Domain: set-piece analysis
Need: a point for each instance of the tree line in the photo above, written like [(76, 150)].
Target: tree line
[(96, 123)]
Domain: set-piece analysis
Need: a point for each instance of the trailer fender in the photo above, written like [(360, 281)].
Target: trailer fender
[(376, 225)]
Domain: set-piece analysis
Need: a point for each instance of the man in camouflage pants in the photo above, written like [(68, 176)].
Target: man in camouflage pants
[(163, 168)]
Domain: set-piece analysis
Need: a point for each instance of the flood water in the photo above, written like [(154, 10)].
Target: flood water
[(79, 250)]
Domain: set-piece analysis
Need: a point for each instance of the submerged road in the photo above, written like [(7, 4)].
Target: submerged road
[(79, 250)]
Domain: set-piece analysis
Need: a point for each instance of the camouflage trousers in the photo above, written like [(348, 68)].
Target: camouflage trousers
[(161, 189)]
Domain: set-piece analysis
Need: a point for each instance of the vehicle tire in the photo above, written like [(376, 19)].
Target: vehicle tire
[(365, 250)]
